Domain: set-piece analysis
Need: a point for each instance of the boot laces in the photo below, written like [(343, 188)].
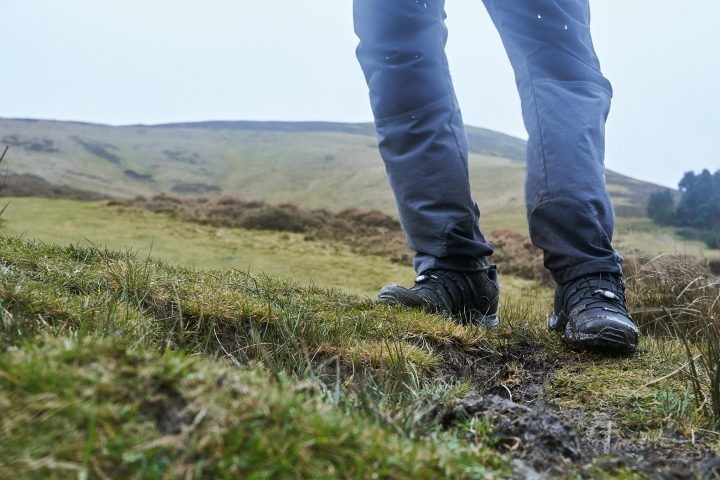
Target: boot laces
[(605, 293), (451, 288)]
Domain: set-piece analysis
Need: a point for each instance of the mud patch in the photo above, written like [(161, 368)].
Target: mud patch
[(518, 373), (541, 439), (543, 442)]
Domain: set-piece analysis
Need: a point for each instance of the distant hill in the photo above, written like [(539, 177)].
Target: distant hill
[(311, 164)]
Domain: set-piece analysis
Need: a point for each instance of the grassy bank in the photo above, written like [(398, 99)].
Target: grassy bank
[(116, 365)]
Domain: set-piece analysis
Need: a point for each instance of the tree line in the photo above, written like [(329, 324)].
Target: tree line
[(696, 212)]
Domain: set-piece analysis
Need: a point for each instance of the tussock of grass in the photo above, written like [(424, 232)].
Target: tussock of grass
[(667, 290), (105, 410), (682, 300), (252, 318)]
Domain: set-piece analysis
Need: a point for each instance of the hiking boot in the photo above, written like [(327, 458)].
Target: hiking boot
[(469, 297), (592, 314)]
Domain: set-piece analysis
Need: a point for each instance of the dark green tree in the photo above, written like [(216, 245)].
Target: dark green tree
[(661, 207), (699, 205)]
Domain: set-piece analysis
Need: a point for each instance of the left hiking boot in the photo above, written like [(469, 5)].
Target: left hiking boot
[(469, 297), (592, 314)]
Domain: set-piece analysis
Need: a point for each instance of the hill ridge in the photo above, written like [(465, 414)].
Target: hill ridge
[(313, 164)]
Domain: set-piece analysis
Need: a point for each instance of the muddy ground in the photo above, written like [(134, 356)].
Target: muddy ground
[(545, 440)]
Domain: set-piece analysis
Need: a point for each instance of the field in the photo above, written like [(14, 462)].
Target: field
[(287, 255), (328, 264)]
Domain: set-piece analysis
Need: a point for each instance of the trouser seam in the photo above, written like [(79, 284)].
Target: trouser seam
[(461, 155), (539, 127)]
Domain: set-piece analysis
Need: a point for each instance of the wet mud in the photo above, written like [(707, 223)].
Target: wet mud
[(544, 440)]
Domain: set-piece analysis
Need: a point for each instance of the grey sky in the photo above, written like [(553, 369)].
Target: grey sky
[(148, 61)]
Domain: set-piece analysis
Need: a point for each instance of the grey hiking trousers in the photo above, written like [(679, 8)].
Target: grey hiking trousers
[(565, 102)]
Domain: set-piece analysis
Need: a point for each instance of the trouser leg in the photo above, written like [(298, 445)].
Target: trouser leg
[(420, 130), (565, 102)]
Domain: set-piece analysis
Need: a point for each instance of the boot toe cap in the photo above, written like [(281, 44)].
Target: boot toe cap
[(602, 330)]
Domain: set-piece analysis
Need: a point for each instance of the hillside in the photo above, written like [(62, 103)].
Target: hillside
[(313, 164)]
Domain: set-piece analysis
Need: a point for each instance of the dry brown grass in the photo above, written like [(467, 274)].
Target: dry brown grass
[(367, 232), (680, 297)]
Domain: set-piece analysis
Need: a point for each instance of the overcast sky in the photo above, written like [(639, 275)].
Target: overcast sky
[(150, 61)]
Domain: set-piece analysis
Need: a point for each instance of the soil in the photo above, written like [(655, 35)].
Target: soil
[(169, 409), (545, 440)]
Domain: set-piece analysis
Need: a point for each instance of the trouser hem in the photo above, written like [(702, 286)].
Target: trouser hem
[(587, 268), (458, 264)]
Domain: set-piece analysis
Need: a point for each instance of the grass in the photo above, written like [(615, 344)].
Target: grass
[(287, 255), (113, 364), (110, 368), (641, 235), (682, 301), (276, 254), (104, 409), (635, 392)]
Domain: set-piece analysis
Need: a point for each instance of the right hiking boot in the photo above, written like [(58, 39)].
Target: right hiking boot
[(591, 313), (468, 297)]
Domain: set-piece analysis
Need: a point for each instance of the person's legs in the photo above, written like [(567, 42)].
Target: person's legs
[(565, 102), (420, 130)]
